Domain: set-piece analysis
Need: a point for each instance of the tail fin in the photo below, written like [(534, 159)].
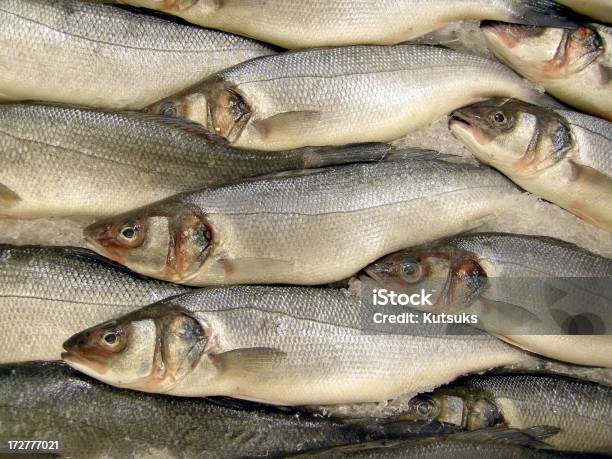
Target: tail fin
[(546, 13)]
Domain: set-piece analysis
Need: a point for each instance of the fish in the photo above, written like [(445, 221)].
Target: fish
[(90, 419), (97, 55), (541, 294), (279, 345), (582, 411), (560, 155), (331, 96), (501, 443), (349, 22), (305, 227), (71, 161), (49, 293), (573, 65), (597, 9)]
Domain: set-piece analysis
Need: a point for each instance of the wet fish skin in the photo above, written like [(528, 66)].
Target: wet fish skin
[(348, 22), (99, 55), (581, 410), (300, 228), (47, 294), (500, 443), (280, 345), (65, 161), (561, 155), (451, 267), (91, 419), (574, 65), (598, 9), (331, 96)]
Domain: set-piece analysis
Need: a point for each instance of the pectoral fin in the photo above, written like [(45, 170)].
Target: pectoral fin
[(286, 124), (8, 198), (257, 360)]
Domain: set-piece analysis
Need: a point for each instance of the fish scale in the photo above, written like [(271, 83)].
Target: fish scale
[(47, 294), (92, 54), (86, 162)]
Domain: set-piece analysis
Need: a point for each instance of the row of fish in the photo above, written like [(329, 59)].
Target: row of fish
[(93, 419), (249, 165)]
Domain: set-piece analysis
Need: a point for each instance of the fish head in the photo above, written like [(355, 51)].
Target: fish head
[(543, 53), (518, 138), (216, 105), (453, 277), (150, 349), (471, 407), (435, 407), (168, 240)]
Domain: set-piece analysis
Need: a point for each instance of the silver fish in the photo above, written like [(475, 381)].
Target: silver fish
[(563, 156), (65, 161), (581, 410), (93, 420), (529, 291), (303, 228), (574, 65), (48, 294), (98, 55), (331, 96), (311, 23), (280, 345)]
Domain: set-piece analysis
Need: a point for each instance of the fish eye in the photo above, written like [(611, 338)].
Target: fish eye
[(412, 271), (425, 408), (500, 118), (169, 109), (131, 234), (111, 338)]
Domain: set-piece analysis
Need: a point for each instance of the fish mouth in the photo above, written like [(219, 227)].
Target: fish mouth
[(458, 119)]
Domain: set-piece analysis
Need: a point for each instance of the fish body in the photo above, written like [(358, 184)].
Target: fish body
[(561, 155), (280, 345), (331, 96), (65, 161), (48, 294), (304, 228), (527, 290), (92, 419), (581, 410), (574, 65), (92, 54), (312, 23), (598, 9)]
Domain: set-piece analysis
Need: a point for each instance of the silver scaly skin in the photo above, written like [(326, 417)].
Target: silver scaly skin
[(94, 420), (281, 345), (561, 155), (311, 23), (99, 55), (474, 274), (305, 228), (65, 161), (331, 96), (47, 294)]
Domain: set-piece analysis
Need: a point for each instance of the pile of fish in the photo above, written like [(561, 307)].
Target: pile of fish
[(271, 270)]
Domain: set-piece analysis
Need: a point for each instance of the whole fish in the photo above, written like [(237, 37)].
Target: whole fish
[(48, 294), (91, 419), (98, 55), (563, 156), (305, 228), (502, 443), (59, 160), (581, 410), (527, 290), (313, 23), (331, 96), (598, 9), (574, 65), (280, 345)]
